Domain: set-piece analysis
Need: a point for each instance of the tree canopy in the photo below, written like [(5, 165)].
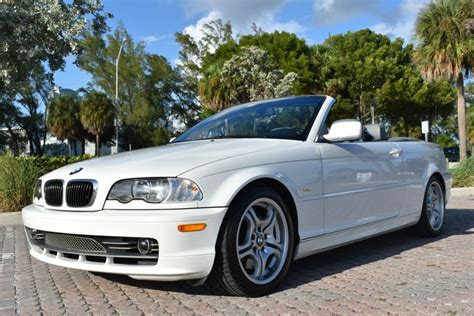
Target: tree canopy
[(146, 85), (37, 32), (446, 49), (96, 115)]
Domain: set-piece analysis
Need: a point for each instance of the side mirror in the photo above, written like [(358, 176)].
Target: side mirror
[(344, 130)]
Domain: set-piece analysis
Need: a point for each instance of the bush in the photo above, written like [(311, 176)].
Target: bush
[(18, 177), (463, 175)]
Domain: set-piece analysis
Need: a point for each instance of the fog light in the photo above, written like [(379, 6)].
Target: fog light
[(36, 235), (144, 246)]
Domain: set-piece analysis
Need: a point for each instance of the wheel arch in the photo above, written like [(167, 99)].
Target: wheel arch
[(440, 177), (285, 193)]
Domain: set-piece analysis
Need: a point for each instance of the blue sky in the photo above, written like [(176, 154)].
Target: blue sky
[(156, 21)]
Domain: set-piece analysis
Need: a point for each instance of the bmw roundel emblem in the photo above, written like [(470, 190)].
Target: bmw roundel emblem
[(75, 171)]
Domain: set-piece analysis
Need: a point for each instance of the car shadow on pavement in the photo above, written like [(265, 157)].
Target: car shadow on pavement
[(330, 263)]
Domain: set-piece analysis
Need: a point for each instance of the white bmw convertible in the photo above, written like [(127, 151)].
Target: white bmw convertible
[(236, 198)]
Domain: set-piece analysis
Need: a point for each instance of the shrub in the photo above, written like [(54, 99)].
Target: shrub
[(18, 177), (17, 180), (463, 175)]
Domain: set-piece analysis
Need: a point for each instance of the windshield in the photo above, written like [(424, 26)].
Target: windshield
[(288, 118)]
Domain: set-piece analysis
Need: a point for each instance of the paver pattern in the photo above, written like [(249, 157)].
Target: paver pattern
[(398, 273)]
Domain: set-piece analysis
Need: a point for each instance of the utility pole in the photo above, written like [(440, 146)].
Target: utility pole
[(116, 97)]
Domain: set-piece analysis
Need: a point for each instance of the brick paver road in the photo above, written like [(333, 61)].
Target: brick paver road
[(397, 273)]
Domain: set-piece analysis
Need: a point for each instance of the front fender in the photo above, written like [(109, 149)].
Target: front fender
[(220, 189)]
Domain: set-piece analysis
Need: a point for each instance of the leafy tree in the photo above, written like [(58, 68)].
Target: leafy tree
[(147, 84), (64, 120), (363, 69), (408, 100), (249, 76), (41, 32), (193, 62), (11, 138), (290, 53), (23, 108), (359, 63), (97, 114), (446, 49)]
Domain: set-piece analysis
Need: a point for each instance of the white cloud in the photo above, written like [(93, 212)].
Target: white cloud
[(335, 11), (396, 21), (241, 13), (244, 11), (155, 38), (404, 26), (195, 30)]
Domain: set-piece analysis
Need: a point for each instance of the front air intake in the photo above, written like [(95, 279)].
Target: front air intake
[(80, 193), (53, 192)]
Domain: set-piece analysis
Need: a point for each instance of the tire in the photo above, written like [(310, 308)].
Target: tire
[(431, 223), (255, 244)]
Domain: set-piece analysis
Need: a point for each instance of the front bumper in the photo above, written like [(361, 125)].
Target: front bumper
[(182, 256)]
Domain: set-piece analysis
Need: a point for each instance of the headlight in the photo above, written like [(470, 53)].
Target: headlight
[(38, 193), (155, 190)]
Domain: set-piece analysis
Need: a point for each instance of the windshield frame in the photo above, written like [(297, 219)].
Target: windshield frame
[(316, 100)]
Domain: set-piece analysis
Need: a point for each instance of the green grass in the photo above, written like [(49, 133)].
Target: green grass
[(463, 175)]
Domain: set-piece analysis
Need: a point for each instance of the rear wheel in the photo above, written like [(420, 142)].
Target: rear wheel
[(255, 244), (431, 223)]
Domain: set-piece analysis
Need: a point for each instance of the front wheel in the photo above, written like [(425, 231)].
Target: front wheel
[(255, 244), (431, 223)]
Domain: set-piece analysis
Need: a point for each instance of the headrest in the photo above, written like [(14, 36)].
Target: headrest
[(375, 132)]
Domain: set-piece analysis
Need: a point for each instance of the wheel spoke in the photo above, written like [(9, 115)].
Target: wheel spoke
[(435, 197), (271, 242), (269, 251), (259, 266), (269, 222), (245, 250), (251, 224), (252, 217)]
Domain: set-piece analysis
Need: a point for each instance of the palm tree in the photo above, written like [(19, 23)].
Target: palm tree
[(446, 49), (63, 119), (97, 113)]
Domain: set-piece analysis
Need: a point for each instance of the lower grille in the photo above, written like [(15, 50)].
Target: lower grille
[(121, 250), (75, 244), (53, 192)]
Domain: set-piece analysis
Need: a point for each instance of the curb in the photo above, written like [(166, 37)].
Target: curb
[(462, 192), (8, 219)]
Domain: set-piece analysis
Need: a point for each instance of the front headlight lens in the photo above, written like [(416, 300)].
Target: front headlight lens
[(158, 190), (38, 193)]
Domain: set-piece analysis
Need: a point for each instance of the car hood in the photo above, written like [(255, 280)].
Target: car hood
[(166, 161)]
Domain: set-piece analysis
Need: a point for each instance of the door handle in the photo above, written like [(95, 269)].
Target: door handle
[(395, 152)]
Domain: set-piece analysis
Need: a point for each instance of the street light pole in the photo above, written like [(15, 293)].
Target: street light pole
[(116, 97)]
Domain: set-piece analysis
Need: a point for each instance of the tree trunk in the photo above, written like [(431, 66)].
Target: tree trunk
[(45, 135), (97, 145), (83, 146), (69, 145), (461, 107)]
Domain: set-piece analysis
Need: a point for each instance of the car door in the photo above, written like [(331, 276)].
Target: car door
[(362, 183)]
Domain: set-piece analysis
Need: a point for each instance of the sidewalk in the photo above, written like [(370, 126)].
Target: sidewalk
[(8, 219)]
